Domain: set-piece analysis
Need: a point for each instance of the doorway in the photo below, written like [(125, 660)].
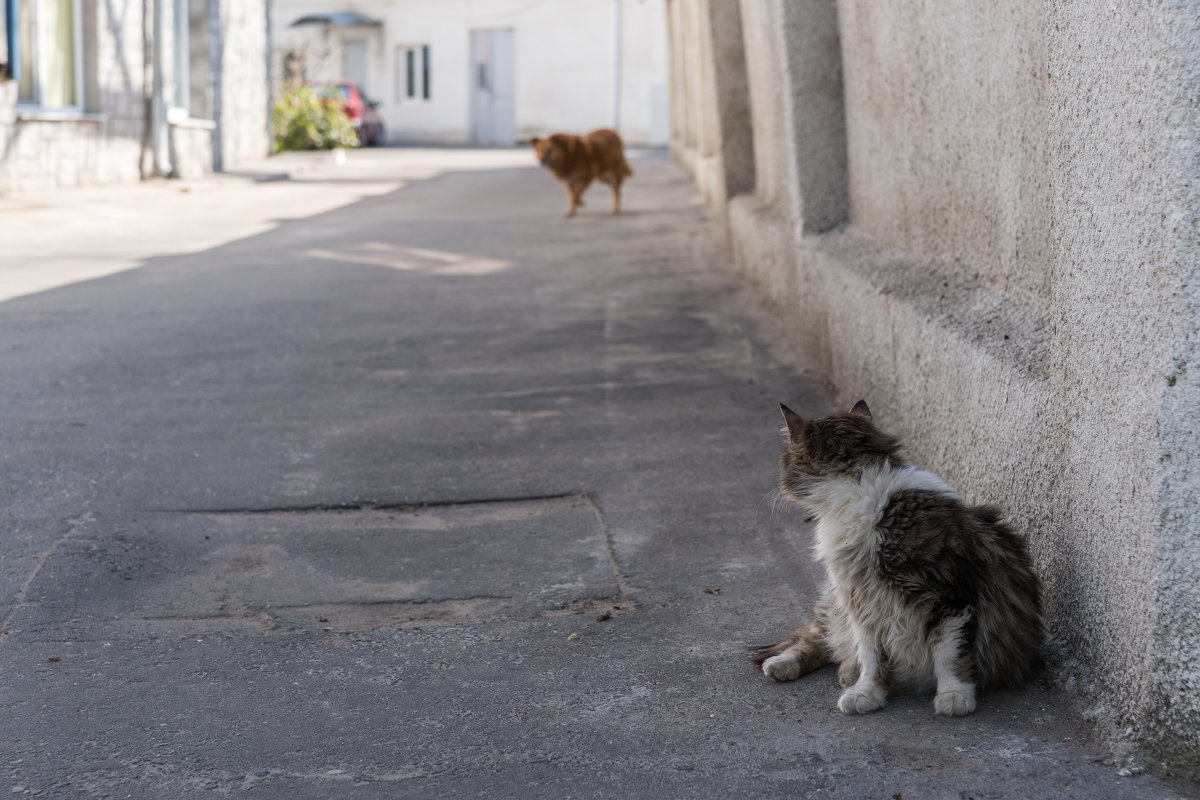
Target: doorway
[(354, 63), (494, 106)]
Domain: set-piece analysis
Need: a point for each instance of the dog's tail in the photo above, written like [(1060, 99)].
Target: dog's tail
[(626, 170)]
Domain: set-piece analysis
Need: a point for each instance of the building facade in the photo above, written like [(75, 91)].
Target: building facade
[(95, 93), (983, 218), (488, 72)]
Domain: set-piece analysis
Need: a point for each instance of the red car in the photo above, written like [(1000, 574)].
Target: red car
[(361, 111)]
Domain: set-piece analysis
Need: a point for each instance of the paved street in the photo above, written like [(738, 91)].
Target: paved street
[(387, 481)]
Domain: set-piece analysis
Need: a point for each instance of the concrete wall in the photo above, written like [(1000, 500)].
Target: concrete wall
[(192, 148), (712, 98), (565, 62), (982, 218), (242, 126)]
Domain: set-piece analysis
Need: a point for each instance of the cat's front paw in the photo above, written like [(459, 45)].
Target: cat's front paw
[(954, 704), (856, 700), (783, 667)]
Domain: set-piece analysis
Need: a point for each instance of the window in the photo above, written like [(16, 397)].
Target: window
[(199, 70), (7, 31), (181, 94), (412, 73), (49, 39)]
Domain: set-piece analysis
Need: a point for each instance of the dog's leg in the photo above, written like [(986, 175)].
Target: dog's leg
[(572, 200), (575, 196), (616, 195)]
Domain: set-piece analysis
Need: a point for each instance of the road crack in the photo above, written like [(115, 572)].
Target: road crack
[(73, 527), (367, 505)]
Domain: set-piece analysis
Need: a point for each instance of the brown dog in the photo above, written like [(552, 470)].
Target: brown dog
[(579, 160)]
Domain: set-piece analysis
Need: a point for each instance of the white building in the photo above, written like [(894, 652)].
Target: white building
[(103, 92), (488, 72)]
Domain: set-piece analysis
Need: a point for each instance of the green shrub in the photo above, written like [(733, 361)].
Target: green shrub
[(304, 120)]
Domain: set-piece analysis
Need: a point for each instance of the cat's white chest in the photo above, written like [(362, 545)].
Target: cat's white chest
[(848, 510)]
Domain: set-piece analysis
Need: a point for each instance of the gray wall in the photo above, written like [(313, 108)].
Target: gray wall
[(982, 218)]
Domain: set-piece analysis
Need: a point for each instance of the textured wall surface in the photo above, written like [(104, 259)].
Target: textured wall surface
[(714, 98), (243, 126), (1015, 287)]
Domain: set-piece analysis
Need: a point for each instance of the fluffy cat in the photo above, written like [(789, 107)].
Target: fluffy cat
[(923, 590)]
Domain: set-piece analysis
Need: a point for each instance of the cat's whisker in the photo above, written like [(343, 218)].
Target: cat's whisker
[(772, 496)]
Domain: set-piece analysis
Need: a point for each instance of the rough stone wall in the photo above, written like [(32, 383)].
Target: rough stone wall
[(1006, 266), (1124, 122)]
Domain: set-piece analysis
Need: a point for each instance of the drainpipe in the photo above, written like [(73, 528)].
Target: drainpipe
[(12, 45), (216, 55), (160, 134), (616, 110), (270, 80)]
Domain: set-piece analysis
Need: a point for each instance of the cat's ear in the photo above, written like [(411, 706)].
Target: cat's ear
[(795, 423), (860, 409)]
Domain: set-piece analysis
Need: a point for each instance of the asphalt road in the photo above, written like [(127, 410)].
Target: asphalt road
[(387, 481)]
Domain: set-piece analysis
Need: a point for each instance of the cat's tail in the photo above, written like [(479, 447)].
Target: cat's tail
[(760, 653), (1010, 626), (801, 652), (987, 514)]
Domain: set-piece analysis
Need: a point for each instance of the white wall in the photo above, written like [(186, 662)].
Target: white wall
[(243, 123), (565, 62)]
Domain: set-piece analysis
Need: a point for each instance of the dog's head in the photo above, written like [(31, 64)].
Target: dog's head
[(553, 151)]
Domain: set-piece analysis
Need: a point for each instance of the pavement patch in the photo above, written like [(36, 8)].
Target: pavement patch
[(331, 569)]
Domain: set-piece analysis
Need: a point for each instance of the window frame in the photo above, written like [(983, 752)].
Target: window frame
[(181, 77), (37, 65), (9, 70), (412, 74)]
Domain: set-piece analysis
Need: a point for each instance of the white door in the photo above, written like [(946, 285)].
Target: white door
[(495, 102), (354, 63)]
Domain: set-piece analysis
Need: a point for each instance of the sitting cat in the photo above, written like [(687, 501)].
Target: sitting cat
[(922, 589)]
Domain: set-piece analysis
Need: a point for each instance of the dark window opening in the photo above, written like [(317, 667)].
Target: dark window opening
[(425, 72)]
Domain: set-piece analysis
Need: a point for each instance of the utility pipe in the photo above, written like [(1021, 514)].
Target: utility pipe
[(160, 135), (616, 109)]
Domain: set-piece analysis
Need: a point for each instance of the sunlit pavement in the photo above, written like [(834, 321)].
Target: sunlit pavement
[(385, 480)]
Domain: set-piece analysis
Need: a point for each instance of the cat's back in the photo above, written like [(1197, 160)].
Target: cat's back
[(924, 529), (950, 557)]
